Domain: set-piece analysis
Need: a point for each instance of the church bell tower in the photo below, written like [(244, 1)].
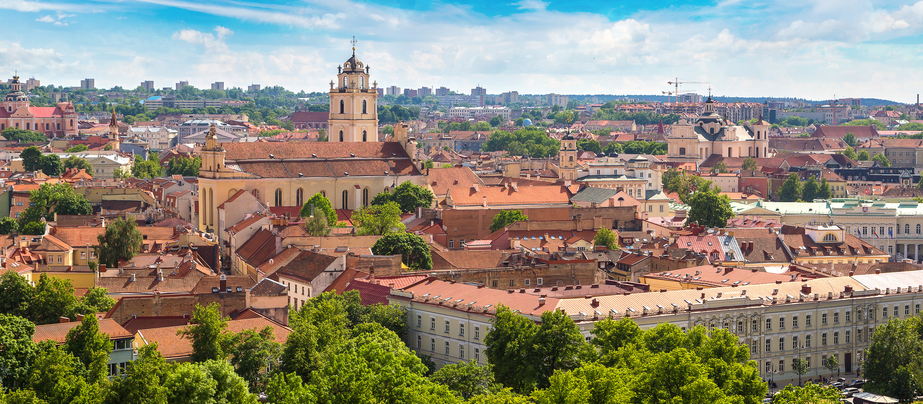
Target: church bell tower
[(353, 103)]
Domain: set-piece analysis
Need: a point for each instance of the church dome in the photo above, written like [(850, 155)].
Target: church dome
[(353, 64)]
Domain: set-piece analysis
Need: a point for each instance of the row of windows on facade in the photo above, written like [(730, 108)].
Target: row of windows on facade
[(343, 107), (807, 361), (365, 136), (798, 344), (37, 127), (448, 349), (448, 326), (279, 200), (682, 152), (824, 318), (881, 230)]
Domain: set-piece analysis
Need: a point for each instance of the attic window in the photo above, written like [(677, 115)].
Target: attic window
[(214, 290), (240, 289), (709, 243), (688, 244)]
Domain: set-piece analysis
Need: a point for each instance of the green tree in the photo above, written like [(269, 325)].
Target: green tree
[(185, 166), (850, 139), (57, 377), (378, 219), (505, 218), (146, 169), (750, 164), (496, 121), (849, 153), (19, 351), (408, 196), (31, 158), (720, 167), (96, 300), (8, 225), (414, 251), (91, 347), (823, 190), (810, 190), (589, 145), (882, 160), (427, 165), (253, 353), (50, 199), (811, 393), (831, 363), (52, 299), (206, 330), (15, 294), (319, 204), (121, 241), (606, 237), (317, 226), (708, 207), (51, 165), (466, 379), (143, 381), (863, 155), (78, 163), (121, 173), (684, 185), (24, 136), (791, 189), (892, 362), (801, 367), (78, 148), (33, 229)]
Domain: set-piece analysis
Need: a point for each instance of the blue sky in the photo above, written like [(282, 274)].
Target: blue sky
[(806, 48)]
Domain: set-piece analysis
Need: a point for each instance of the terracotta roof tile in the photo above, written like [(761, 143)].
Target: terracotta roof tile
[(173, 346), (57, 332)]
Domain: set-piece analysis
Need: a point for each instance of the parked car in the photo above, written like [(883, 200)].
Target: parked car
[(837, 385), (841, 380), (849, 391), (857, 383)]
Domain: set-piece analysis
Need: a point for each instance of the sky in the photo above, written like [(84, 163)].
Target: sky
[(814, 49)]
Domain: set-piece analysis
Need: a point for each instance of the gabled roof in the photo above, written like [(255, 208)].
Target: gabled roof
[(306, 266), (594, 195), (57, 332)]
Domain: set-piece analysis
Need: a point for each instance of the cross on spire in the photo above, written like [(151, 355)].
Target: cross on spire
[(353, 42)]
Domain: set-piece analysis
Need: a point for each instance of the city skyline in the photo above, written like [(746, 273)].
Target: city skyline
[(815, 49)]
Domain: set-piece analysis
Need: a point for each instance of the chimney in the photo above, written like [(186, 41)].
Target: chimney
[(222, 284), (79, 317), (475, 187), (159, 276), (878, 272), (806, 289), (484, 202), (102, 267), (63, 319), (132, 277), (541, 301), (594, 303), (515, 187)]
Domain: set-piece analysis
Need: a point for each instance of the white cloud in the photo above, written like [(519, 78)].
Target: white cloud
[(13, 56), (531, 5), (293, 17), (46, 18), (33, 6)]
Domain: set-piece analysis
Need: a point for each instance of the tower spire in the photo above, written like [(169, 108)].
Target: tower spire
[(353, 42)]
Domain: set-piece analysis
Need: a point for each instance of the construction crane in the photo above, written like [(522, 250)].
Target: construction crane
[(676, 84)]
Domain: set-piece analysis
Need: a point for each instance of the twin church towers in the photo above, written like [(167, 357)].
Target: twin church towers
[(353, 103)]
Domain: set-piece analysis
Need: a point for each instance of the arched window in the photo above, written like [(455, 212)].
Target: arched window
[(729, 152), (906, 229), (830, 237), (256, 194), (364, 135), (341, 136), (365, 197), (342, 106), (299, 197), (323, 193), (364, 110), (345, 198), (278, 195), (571, 158)]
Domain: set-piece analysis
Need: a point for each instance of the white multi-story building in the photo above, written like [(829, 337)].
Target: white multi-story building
[(780, 322), (479, 112), (158, 138), (556, 99)]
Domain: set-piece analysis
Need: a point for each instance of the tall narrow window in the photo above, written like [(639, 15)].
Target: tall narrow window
[(342, 106), (299, 197), (345, 198), (364, 108), (278, 197), (341, 136), (365, 197), (364, 136)]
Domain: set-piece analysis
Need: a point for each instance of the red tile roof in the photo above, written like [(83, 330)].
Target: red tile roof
[(173, 346), (57, 332)]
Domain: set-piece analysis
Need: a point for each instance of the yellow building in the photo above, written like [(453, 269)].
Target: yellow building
[(349, 169)]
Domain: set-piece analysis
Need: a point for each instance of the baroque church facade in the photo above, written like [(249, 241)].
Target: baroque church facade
[(349, 169), (15, 112), (712, 134)]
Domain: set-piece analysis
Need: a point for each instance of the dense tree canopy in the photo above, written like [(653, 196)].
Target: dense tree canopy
[(23, 135), (505, 218), (121, 241), (378, 219), (414, 251), (533, 142), (185, 166), (319, 205), (408, 196), (708, 207), (78, 163)]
